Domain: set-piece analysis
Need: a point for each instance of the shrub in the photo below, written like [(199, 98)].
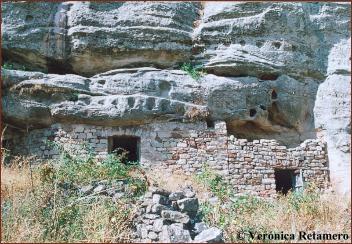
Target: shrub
[(195, 72), (12, 66), (50, 209), (214, 183)]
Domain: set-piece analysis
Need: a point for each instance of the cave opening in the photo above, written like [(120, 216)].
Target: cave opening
[(125, 144), (285, 180), (252, 112)]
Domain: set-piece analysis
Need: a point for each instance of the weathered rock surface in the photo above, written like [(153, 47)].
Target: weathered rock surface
[(252, 108), (89, 38), (267, 39), (211, 235), (333, 114)]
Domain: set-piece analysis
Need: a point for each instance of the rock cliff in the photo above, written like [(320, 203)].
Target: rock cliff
[(273, 70)]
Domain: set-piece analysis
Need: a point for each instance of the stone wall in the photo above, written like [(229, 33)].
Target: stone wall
[(249, 166)]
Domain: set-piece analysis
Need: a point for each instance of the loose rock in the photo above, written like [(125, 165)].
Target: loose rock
[(209, 235)]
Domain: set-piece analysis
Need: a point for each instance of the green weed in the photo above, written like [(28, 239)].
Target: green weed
[(195, 72)]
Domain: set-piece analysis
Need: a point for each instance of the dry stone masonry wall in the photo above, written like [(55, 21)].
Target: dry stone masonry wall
[(249, 166)]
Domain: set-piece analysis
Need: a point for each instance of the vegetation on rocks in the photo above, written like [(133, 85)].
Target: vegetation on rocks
[(194, 71), (35, 206), (304, 210), (45, 203)]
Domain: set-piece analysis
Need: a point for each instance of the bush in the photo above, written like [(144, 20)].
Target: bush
[(214, 183), (194, 72), (50, 209)]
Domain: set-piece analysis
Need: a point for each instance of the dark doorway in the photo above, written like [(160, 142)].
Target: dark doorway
[(129, 144), (285, 180)]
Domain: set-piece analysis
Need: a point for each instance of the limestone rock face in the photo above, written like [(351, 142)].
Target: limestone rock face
[(88, 37), (267, 39), (274, 70), (136, 96), (29, 35), (333, 114)]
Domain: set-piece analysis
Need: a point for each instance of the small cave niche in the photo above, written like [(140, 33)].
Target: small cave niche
[(268, 76), (273, 95), (58, 67), (101, 82), (125, 144), (285, 180), (150, 103), (164, 88), (259, 43), (250, 130), (130, 102), (29, 18), (277, 44), (252, 112), (242, 43)]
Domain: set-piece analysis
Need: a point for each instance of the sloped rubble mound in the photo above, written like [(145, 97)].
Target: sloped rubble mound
[(172, 217)]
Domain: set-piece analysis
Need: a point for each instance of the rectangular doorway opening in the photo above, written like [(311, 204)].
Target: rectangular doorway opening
[(285, 180), (127, 144)]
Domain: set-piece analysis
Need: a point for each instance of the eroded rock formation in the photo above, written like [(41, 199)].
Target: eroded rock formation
[(274, 70)]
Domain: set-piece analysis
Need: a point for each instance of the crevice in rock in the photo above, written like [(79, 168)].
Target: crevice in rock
[(273, 95)]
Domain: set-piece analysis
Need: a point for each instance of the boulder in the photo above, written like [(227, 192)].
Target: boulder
[(86, 190), (211, 235), (174, 196), (143, 95), (175, 216), (199, 227), (157, 208), (188, 205), (266, 39), (174, 233), (100, 189), (159, 199), (158, 225)]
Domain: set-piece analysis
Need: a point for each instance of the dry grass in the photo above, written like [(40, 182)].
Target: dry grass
[(43, 214), (325, 215), (37, 211), (17, 178), (177, 181), (309, 210)]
